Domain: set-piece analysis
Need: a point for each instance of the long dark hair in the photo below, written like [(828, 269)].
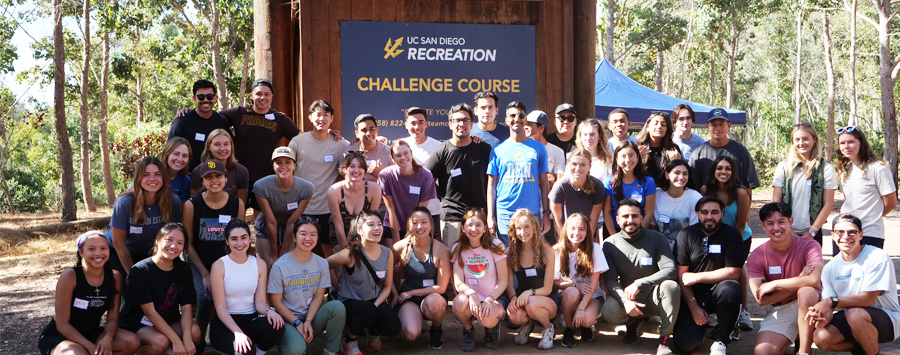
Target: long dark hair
[(730, 187), (668, 145), (237, 223), (618, 175), (182, 272), (354, 241), (107, 266), (664, 183)]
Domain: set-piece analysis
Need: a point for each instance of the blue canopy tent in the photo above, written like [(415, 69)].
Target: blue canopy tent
[(612, 90)]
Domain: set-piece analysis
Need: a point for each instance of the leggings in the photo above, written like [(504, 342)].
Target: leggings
[(724, 299), (381, 320), (261, 333)]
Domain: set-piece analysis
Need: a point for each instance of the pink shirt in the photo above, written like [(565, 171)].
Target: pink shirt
[(480, 269), (772, 265)]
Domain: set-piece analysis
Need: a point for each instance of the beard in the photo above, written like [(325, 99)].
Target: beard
[(631, 228), (712, 229)]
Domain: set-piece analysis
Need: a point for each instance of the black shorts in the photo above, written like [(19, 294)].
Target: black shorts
[(748, 244), (418, 301), (51, 338), (261, 229), (323, 223), (880, 320)]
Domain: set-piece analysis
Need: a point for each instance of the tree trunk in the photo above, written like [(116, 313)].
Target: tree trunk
[(104, 117), (886, 66), (684, 51), (729, 87), (67, 203), (852, 120), (797, 94), (245, 73), (139, 82), (215, 45), (262, 24), (829, 73), (9, 200), (610, 30), (86, 112), (659, 57), (712, 72)]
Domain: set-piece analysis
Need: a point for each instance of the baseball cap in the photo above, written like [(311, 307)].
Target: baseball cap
[(538, 117), (718, 113), (210, 166), (283, 152), (261, 82), (565, 107)]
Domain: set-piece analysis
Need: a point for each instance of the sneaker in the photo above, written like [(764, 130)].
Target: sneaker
[(492, 337), (524, 333), (436, 342), (633, 332), (547, 337), (736, 333), (327, 352), (468, 341), (350, 348), (587, 333), (744, 322), (663, 347), (373, 342), (718, 348), (568, 340), (713, 320), (620, 330), (654, 320)]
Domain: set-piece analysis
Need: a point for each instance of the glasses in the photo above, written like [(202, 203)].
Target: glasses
[(664, 114), (304, 219), (847, 129), (852, 233), (208, 97), (569, 118), (802, 124), (460, 120), (519, 115)]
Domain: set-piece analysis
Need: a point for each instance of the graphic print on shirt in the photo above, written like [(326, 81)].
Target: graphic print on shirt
[(212, 230), (303, 281), (674, 225), (254, 120), (477, 265), (519, 169)]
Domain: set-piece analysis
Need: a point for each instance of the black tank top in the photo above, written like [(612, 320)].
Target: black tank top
[(209, 228), (530, 278), (417, 271), (89, 303), (346, 216)]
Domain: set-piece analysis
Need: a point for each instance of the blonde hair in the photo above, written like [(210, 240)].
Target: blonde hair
[(584, 254), (602, 153), (172, 144), (231, 162), (589, 187), (794, 157), (515, 245)]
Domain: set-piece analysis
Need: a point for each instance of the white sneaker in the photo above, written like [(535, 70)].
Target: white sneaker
[(718, 348), (621, 329), (524, 333), (326, 352), (547, 337)]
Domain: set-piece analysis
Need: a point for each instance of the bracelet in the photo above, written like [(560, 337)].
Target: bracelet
[(271, 309), (813, 231), (580, 309)]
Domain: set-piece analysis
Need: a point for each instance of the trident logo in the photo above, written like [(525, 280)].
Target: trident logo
[(391, 50)]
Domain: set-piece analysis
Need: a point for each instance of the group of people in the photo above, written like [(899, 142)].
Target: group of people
[(504, 219)]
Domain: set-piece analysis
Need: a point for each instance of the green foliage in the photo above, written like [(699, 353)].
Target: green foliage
[(27, 190)]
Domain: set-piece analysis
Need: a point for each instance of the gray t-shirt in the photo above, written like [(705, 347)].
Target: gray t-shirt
[(688, 146), (318, 162), (703, 157), (573, 200), (357, 282), (863, 196), (381, 152), (298, 281), (283, 203)]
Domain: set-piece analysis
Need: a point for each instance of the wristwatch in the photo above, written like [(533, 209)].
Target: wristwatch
[(297, 322), (834, 302)]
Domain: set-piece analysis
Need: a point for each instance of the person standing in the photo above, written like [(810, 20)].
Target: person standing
[(176, 155), (566, 122), (618, 123), (703, 158), (196, 124), (404, 185), (219, 146), (282, 198), (378, 155), (656, 145), (422, 146), (536, 128), (487, 127), (578, 192), (675, 201), (683, 118)]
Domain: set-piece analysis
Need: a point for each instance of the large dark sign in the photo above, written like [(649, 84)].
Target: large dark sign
[(389, 66)]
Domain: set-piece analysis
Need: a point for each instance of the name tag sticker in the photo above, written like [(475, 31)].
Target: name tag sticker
[(808, 182), (637, 196), (456, 172), (146, 321), (270, 116), (472, 281), (224, 218), (80, 303), (381, 274), (329, 158), (414, 190), (136, 230), (567, 155), (370, 162), (664, 219), (531, 155), (715, 248), (427, 282), (292, 206), (308, 301), (646, 260), (199, 137), (530, 272), (775, 270)]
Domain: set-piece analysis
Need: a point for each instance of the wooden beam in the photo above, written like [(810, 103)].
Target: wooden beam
[(585, 47)]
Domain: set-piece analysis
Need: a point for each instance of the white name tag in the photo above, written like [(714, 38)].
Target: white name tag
[(775, 270), (381, 274), (329, 158), (531, 155), (270, 116), (427, 282), (136, 230), (456, 172), (715, 248), (567, 155), (664, 219), (472, 282), (414, 190), (808, 182), (199, 137), (292, 206), (146, 321), (636, 195), (80, 303), (646, 260), (370, 162), (308, 301), (530, 272), (224, 218)]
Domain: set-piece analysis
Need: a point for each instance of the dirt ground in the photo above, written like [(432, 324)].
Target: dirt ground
[(30, 265)]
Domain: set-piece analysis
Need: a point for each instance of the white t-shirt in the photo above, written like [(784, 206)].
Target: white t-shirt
[(600, 266), (421, 153), (672, 214), (802, 191), (556, 159), (863, 197), (872, 270)]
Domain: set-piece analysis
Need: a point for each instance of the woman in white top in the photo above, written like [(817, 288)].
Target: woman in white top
[(592, 136), (238, 282), (579, 265), (675, 201), (806, 182)]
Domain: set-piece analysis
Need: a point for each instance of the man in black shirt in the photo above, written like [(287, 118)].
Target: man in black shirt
[(196, 124), (710, 256), (566, 123), (459, 166)]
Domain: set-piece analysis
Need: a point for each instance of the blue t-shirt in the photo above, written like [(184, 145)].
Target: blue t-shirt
[(729, 217), (612, 148), (638, 190), (495, 137), (181, 187), (140, 237), (518, 168), (688, 146)]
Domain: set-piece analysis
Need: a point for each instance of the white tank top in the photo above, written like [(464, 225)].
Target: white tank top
[(240, 285)]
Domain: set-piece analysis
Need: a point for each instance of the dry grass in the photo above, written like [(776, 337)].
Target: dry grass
[(15, 241)]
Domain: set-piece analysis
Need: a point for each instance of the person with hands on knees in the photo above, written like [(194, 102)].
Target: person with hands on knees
[(80, 305), (282, 198), (404, 185), (159, 298), (859, 307), (297, 286), (219, 146), (710, 257), (367, 268), (350, 196), (640, 278), (534, 297), (480, 279), (239, 290), (785, 277), (425, 272), (579, 266)]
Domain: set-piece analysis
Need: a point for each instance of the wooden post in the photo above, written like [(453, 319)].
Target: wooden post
[(263, 50), (585, 47)]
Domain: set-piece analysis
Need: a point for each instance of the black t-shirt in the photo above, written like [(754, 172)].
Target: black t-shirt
[(196, 129), (654, 160), (209, 228), (701, 253), (567, 146), (256, 136), (461, 173), (147, 283)]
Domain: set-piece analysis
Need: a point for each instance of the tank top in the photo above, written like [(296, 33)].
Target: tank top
[(419, 274), (348, 217), (209, 227), (530, 278), (240, 284), (729, 217), (89, 303), (357, 282)]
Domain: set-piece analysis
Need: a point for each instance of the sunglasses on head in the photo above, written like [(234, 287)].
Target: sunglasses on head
[(519, 115), (568, 118), (208, 97), (305, 219), (847, 129), (802, 124), (664, 114)]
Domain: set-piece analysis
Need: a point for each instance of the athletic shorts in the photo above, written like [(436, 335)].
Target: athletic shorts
[(51, 338), (880, 319), (782, 320)]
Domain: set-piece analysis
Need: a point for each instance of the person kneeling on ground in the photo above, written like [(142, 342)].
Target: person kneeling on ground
[(579, 264)]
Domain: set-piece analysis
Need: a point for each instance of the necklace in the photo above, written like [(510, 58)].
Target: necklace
[(97, 290)]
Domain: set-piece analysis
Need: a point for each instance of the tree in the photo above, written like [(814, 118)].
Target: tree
[(68, 206), (86, 112), (798, 69), (829, 73)]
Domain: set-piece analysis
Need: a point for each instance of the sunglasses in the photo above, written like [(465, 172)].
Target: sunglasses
[(850, 232), (664, 114), (569, 118), (802, 124), (847, 129), (208, 97), (519, 115), (304, 219)]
